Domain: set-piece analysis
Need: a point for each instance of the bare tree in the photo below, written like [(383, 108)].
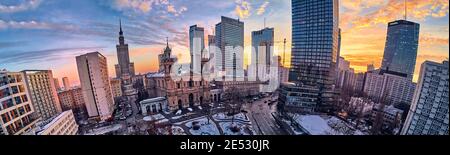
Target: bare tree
[(234, 101)]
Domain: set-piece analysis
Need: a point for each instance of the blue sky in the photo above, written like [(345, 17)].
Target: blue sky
[(48, 34)]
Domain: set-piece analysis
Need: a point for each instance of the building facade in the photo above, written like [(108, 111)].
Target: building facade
[(43, 94), (429, 111), (123, 56), (57, 86), (66, 83), (230, 41), (95, 84), (315, 32), (62, 124), (389, 87), (391, 117), (196, 47), (153, 105), (402, 43), (16, 109), (181, 93), (73, 99), (296, 98), (116, 87), (262, 50)]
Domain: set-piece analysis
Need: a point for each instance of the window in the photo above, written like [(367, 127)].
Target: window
[(15, 89)]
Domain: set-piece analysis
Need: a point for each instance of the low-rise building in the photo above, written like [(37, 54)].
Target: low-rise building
[(291, 99), (359, 105), (154, 105), (62, 124)]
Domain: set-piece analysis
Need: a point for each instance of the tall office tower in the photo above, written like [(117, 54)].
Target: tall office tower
[(42, 92), (429, 112), (57, 86), (16, 110), (93, 73), (230, 41), (343, 69), (262, 49), (212, 52), (402, 42), (124, 67), (196, 46), (389, 87), (66, 83), (315, 32)]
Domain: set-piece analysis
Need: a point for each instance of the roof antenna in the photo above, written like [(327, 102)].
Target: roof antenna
[(406, 10)]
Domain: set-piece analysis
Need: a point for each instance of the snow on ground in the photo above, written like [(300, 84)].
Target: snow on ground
[(178, 112), (154, 117), (227, 131), (314, 125), (190, 109), (223, 116), (200, 107), (176, 130), (176, 117), (162, 121), (105, 130), (205, 128)]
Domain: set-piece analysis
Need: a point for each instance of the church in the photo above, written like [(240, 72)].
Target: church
[(181, 92)]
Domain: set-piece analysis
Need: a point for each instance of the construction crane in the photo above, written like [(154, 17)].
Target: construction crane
[(284, 50)]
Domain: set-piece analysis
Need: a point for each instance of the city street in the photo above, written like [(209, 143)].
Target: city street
[(260, 114)]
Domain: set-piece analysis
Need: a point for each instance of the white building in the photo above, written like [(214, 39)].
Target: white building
[(42, 91), (62, 124), (95, 84), (16, 110), (429, 112), (391, 116), (388, 86), (154, 105)]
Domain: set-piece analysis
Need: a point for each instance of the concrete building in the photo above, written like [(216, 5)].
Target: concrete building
[(315, 43), (358, 82), (116, 87), (230, 41), (429, 111), (16, 109), (66, 83), (154, 105), (298, 99), (125, 67), (73, 99), (57, 86), (95, 84), (390, 87), (180, 93), (391, 117), (212, 53), (43, 94), (402, 43), (62, 124)]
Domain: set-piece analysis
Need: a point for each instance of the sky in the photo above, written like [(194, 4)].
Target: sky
[(49, 34)]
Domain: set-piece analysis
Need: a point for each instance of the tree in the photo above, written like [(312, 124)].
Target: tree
[(234, 101)]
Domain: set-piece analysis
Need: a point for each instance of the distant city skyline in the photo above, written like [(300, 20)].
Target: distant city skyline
[(45, 34)]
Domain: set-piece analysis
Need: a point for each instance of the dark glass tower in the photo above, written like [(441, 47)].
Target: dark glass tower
[(315, 32), (402, 42)]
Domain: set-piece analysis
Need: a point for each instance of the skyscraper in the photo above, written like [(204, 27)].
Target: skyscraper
[(196, 46), (66, 83), (315, 32), (57, 86), (262, 48), (16, 109), (212, 52), (230, 41), (124, 67), (95, 84), (429, 111), (402, 42), (42, 92)]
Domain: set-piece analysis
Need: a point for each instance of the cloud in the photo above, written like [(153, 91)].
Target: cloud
[(145, 6), (242, 9), (27, 5), (427, 39), (33, 25), (262, 8), (384, 11)]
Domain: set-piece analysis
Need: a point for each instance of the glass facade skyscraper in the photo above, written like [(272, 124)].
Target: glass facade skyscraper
[(196, 46), (262, 47), (402, 42), (230, 41), (315, 32)]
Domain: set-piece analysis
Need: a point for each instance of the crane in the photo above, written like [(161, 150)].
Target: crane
[(284, 50)]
